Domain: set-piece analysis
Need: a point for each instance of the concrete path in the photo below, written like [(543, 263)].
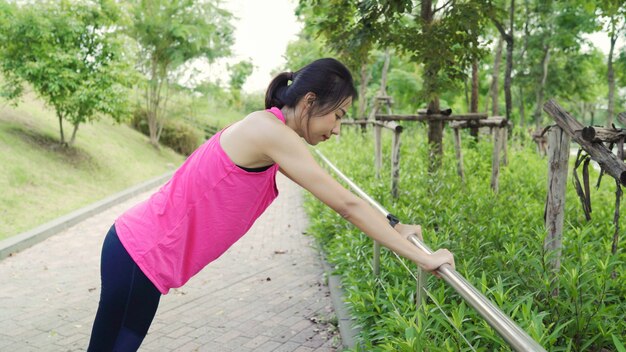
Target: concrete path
[(267, 293)]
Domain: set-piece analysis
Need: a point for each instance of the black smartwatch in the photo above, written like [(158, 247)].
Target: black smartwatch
[(393, 220)]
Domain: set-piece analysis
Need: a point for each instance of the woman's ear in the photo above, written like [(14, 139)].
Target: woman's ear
[(309, 98)]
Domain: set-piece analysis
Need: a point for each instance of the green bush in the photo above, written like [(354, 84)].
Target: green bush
[(178, 135), (139, 120), (497, 240)]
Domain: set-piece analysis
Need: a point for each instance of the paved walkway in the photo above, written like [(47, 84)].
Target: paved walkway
[(267, 293)]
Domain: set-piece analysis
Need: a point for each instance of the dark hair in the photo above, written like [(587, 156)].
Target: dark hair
[(327, 78)]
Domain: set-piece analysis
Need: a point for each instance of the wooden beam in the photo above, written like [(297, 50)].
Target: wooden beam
[(424, 117), (621, 117), (598, 151), (496, 121), (390, 125), (602, 134), (355, 122)]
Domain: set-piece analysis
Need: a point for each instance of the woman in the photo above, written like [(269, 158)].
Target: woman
[(221, 189)]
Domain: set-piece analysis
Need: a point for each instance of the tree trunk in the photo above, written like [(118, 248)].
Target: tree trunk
[(541, 86), (73, 138), (466, 92), (435, 127), (522, 63), (508, 37), (474, 101), (162, 108), (435, 138), (495, 109), (60, 116), (509, 62), (522, 109), (362, 89), (383, 78), (152, 105), (611, 79), (592, 115)]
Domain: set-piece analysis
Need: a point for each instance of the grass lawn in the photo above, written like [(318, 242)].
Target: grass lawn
[(41, 181)]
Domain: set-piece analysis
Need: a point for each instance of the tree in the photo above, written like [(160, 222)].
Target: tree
[(442, 37), (509, 39), (70, 55), (445, 40), (239, 73), (613, 13), (171, 33), (303, 51), (555, 29), (347, 33)]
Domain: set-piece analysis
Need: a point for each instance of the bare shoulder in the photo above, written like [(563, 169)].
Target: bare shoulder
[(264, 127), (252, 141)]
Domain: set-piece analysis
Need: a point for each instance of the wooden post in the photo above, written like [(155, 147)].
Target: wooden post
[(505, 138), (558, 157), (378, 160), (419, 291), (495, 160), (459, 154), (376, 259), (618, 196), (395, 163)]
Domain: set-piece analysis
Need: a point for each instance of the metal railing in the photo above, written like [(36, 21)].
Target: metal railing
[(517, 338)]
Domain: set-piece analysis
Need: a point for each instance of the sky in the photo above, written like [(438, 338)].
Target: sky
[(262, 31)]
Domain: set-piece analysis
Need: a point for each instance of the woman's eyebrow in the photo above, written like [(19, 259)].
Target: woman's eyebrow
[(344, 112)]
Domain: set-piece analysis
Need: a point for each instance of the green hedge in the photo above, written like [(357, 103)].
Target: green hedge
[(498, 245), (182, 137)]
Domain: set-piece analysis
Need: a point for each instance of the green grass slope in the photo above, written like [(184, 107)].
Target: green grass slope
[(40, 181)]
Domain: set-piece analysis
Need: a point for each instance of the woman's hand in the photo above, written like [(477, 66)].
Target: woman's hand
[(406, 230), (433, 261), (437, 259)]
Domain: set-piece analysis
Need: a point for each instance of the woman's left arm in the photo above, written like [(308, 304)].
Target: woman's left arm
[(297, 163)]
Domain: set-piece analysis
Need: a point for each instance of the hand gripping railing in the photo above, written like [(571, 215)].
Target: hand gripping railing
[(510, 332)]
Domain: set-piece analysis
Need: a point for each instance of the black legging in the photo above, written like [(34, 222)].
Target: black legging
[(128, 301)]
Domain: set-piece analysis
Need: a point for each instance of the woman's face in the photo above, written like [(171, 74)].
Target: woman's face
[(321, 128)]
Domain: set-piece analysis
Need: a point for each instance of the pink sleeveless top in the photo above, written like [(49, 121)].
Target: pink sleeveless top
[(207, 205)]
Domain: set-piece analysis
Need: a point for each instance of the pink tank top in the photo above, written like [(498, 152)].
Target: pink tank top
[(207, 205)]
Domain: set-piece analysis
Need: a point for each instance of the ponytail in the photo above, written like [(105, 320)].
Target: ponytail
[(275, 94)]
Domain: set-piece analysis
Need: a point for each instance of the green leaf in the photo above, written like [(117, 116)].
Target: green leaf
[(618, 344)]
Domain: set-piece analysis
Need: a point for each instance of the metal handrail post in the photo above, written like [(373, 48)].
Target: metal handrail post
[(504, 325)]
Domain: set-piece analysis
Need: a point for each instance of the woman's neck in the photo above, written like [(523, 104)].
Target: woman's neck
[(293, 119)]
